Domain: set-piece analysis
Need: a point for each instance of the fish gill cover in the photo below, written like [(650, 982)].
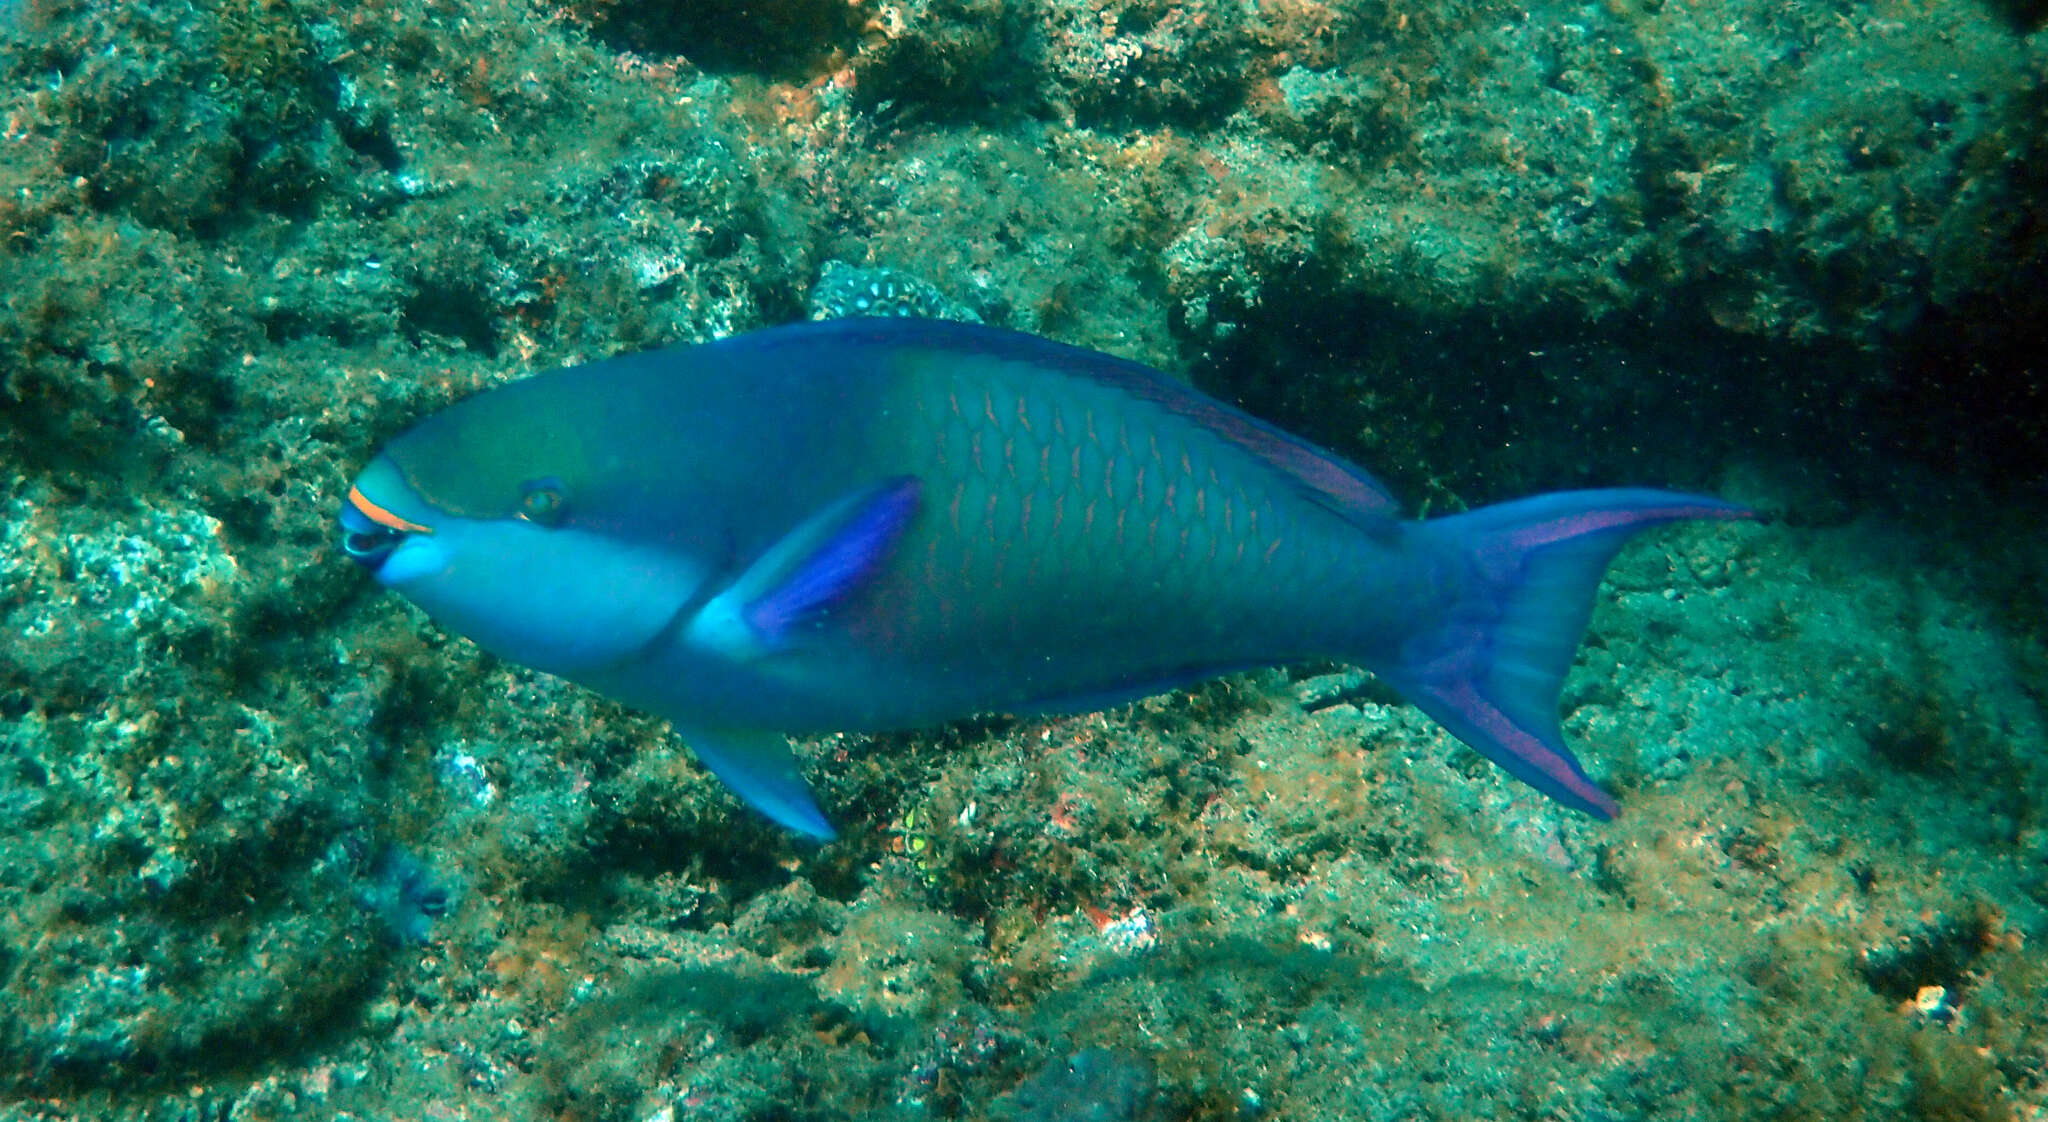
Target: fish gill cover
[(1788, 253)]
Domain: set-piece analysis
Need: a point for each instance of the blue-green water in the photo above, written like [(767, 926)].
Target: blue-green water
[(272, 846)]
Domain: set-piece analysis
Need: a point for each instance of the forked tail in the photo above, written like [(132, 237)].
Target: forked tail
[(1492, 673)]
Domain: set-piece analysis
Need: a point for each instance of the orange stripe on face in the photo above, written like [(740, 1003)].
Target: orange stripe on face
[(383, 517)]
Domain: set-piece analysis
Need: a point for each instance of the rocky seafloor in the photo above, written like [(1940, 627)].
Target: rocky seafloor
[(273, 846)]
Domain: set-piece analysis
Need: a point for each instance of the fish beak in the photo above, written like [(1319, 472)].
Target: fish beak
[(369, 533)]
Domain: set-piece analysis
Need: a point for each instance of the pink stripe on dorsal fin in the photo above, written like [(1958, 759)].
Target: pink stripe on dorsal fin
[(1328, 479), (1340, 484)]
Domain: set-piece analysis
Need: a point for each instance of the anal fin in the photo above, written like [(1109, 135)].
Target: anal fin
[(760, 769)]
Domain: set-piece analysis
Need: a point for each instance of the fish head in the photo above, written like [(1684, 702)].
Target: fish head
[(524, 530)]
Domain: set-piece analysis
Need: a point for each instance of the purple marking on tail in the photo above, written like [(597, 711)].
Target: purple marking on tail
[(1491, 674), (1558, 772)]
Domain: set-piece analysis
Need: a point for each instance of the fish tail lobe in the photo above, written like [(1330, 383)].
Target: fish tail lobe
[(1492, 673)]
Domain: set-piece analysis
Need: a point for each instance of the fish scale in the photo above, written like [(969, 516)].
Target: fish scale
[(1037, 609), (880, 524)]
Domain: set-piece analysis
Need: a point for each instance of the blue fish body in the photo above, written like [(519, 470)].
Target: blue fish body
[(882, 524)]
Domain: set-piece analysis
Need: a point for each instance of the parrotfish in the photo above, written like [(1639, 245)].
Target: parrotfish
[(882, 524)]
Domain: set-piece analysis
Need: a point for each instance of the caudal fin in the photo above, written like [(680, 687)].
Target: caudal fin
[(1492, 674)]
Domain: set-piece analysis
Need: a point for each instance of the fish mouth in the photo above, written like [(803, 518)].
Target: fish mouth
[(369, 533)]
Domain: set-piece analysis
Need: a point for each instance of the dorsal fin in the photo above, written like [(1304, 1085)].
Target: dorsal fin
[(1329, 479)]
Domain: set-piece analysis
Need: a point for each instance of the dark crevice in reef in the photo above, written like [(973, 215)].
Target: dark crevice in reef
[(778, 39), (1940, 954)]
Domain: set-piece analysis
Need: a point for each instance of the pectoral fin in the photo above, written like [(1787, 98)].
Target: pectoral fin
[(759, 768), (814, 566)]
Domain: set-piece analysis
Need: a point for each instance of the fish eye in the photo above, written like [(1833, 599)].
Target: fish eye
[(541, 501)]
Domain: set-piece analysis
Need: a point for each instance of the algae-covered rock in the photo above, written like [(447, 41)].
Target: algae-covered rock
[(895, 964), (1092, 1085)]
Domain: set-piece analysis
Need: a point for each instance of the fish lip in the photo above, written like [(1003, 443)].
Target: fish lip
[(367, 540), (372, 529), (373, 513)]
